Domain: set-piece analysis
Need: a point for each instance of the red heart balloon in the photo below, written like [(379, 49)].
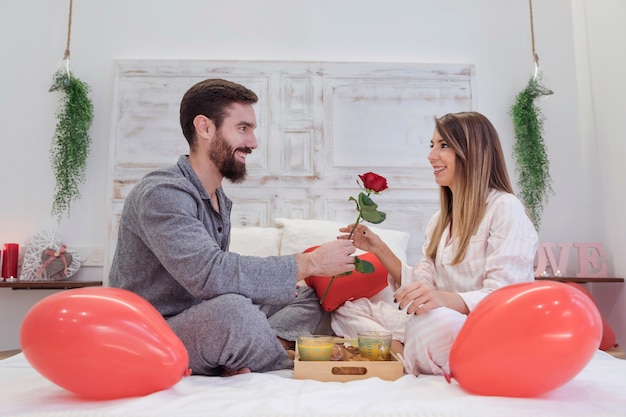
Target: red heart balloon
[(102, 343), (526, 339)]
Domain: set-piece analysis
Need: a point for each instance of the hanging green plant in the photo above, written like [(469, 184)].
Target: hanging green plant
[(529, 151), (70, 146)]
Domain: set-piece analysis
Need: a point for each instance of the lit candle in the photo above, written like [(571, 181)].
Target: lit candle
[(10, 253)]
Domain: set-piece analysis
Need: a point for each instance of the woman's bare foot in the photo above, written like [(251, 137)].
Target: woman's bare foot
[(231, 372)]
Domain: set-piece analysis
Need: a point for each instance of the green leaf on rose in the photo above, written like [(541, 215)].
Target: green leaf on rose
[(369, 210), (365, 200), (355, 202), (362, 266)]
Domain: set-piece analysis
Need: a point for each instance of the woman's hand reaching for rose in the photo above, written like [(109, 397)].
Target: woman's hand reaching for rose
[(363, 238), (368, 241)]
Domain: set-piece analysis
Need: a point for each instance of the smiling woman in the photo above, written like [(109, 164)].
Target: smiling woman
[(478, 241)]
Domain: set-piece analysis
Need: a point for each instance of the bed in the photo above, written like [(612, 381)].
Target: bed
[(598, 390)]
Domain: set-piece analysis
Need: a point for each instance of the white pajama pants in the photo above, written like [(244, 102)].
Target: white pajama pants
[(427, 337)]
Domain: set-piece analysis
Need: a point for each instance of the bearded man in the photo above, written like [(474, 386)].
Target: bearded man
[(233, 313)]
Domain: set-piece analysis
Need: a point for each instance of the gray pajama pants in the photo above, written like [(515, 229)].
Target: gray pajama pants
[(229, 332)]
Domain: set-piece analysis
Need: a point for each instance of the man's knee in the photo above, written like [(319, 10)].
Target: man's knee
[(221, 315), (221, 333)]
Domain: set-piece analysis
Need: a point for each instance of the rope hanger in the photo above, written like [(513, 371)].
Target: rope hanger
[(532, 36), (66, 55), (64, 80), (542, 90)]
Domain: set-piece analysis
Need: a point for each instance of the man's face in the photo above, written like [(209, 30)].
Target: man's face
[(233, 141)]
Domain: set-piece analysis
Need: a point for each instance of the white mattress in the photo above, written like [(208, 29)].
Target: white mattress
[(598, 390)]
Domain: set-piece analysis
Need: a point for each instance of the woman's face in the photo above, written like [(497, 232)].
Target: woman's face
[(443, 160)]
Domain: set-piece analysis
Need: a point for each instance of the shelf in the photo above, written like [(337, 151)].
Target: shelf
[(581, 280), (48, 285), (8, 353), (616, 352)]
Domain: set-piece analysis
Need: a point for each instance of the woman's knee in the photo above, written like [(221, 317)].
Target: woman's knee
[(429, 338), (437, 321)]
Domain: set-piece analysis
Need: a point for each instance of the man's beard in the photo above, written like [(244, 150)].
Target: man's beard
[(223, 155)]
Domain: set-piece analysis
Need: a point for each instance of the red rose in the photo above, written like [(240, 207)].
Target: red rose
[(368, 211), (374, 182)]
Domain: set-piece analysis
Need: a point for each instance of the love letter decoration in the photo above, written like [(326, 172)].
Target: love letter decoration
[(591, 262)]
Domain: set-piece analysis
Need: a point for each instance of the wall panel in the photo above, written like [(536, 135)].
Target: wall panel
[(320, 124)]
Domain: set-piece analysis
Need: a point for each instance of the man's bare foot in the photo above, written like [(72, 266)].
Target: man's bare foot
[(287, 344), (231, 372)]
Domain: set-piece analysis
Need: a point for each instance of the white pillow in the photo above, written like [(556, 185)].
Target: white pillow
[(255, 241), (299, 235)]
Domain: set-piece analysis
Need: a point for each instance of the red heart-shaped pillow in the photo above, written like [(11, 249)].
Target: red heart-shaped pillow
[(349, 287)]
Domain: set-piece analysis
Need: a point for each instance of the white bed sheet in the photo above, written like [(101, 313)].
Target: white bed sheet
[(598, 390)]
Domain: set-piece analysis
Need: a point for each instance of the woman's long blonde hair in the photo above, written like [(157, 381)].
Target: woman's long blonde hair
[(480, 166)]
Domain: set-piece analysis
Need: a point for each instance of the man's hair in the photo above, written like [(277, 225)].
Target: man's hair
[(211, 98)]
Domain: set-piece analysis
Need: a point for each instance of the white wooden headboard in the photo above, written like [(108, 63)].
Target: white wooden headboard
[(320, 125)]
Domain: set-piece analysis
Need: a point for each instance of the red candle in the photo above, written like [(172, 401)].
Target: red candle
[(10, 252)]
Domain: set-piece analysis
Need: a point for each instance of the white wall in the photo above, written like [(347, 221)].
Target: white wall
[(584, 137), (603, 142)]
